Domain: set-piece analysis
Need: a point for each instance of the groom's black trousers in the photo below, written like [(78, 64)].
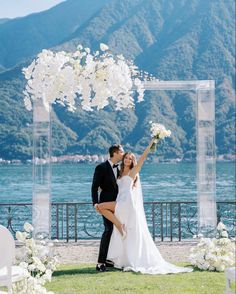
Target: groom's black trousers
[(106, 236)]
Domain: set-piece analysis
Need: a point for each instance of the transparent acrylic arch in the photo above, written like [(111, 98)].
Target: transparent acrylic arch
[(205, 126)]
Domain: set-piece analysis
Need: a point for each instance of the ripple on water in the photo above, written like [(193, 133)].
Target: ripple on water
[(72, 182)]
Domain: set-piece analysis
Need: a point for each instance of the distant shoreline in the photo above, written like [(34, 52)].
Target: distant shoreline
[(95, 159)]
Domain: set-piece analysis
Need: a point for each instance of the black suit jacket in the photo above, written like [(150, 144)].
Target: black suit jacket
[(105, 179)]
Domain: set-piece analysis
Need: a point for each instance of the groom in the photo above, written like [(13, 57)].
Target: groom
[(104, 181)]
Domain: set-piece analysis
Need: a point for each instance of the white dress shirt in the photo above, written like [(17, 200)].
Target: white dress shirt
[(114, 169)]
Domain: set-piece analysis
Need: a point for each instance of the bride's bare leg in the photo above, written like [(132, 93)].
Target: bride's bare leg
[(107, 209), (107, 205)]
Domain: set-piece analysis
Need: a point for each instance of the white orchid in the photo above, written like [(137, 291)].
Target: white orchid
[(104, 47), (61, 77), (28, 227), (221, 226), (21, 236), (224, 234), (38, 260)]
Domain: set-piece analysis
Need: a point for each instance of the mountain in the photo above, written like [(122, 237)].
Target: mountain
[(3, 20), (174, 40), (24, 37)]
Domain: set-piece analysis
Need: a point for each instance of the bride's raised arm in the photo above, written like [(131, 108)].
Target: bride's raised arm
[(141, 160)]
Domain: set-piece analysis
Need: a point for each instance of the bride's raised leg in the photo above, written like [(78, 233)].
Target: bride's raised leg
[(107, 205), (107, 209)]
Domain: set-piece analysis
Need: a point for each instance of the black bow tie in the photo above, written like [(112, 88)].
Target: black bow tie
[(115, 165)]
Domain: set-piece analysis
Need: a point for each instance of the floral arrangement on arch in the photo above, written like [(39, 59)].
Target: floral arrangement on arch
[(95, 78), (37, 258), (214, 254)]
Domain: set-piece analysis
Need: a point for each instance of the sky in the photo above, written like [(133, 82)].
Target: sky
[(16, 8)]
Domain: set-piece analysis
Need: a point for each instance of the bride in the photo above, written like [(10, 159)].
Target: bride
[(131, 246)]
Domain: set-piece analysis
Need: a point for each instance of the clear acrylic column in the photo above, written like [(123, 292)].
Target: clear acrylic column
[(205, 123), (206, 178), (41, 170)]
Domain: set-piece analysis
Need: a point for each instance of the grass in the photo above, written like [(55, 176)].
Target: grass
[(74, 279), (233, 287)]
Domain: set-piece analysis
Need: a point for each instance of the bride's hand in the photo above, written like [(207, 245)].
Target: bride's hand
[(96, 206), (154, 141)]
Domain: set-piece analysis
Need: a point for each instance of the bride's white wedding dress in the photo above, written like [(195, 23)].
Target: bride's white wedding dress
[(137, 252)]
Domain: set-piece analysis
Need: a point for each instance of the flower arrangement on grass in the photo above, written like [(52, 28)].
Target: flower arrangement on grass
[(158, 131), (37, 259), (94, 77), (214, 254)]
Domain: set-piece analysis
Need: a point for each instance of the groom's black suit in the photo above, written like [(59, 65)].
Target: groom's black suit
[(104, 179)]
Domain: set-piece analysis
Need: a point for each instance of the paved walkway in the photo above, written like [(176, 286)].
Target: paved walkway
[(85, 251)]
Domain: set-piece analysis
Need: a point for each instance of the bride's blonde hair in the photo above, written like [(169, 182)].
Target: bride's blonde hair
[(133, 163)]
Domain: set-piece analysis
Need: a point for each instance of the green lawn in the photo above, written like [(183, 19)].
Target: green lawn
[(75, 279)]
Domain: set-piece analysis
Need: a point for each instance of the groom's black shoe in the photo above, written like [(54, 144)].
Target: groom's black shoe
[(101, 267)]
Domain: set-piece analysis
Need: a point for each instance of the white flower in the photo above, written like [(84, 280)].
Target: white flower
[(159, 131), (221, 226), (48, 275), (28, 227), (87, 50), (79, 47), (21, 236), (28, 104), (224, 234), (96, 78), (103, 47), (23, 265), (31, 267), (38, 261), (220, 268), (213, 254)]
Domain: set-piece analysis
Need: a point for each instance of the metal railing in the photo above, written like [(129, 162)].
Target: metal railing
[(167, 221)]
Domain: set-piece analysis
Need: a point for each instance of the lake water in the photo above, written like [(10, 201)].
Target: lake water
[(72, 182)]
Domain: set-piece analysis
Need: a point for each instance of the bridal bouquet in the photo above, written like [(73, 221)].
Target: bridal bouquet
[(158, 131), (37, 259), (214, 254)]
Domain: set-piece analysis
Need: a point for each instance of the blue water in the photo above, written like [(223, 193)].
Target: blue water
[(72, 182)]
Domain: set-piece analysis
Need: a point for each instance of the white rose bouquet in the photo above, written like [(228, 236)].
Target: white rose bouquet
[(213, 254), (158, 131), (38, 259)]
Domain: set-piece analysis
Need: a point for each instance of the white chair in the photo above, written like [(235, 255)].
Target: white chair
[(230, 277), (8, 273)]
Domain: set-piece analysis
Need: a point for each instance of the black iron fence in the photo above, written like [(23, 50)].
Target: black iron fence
[(173, 221)]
